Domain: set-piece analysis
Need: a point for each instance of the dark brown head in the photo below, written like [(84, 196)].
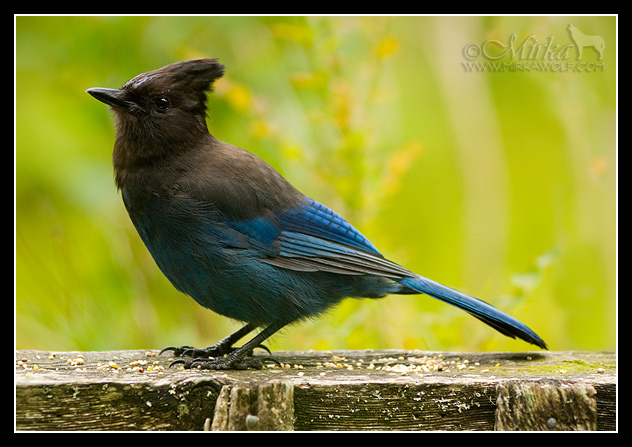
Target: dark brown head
[(161, 111)]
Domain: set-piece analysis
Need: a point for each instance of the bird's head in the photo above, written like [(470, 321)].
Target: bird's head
[(164, 107)]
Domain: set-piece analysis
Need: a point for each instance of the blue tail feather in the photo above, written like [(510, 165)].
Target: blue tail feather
[(488, 314)]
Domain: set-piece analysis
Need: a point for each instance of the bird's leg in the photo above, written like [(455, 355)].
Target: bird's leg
[(236, 358), (222, 347)]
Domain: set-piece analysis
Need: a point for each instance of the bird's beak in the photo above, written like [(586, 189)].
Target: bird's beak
[(111, 97)]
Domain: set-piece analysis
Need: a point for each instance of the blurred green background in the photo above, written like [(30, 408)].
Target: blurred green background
[(498, 182)]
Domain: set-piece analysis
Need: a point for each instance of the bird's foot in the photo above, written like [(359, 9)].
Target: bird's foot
[(218, 350), (189, 351), (224, 363), (218, 357), (223, 355)]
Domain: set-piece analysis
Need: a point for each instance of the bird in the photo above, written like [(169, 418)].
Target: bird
[(232, 233)]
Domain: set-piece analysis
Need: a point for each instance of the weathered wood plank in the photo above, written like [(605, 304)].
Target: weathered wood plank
[(347, 390), (268, 406), (538, 406)]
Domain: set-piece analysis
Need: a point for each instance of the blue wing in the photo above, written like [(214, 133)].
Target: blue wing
[(315, 219), (314, 238)]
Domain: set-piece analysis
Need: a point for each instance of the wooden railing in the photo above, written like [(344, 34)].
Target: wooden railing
[(343, 390)]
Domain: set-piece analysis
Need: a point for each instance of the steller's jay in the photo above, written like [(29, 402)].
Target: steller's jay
[(228, 230)]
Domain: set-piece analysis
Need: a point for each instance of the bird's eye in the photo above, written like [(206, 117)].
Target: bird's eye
[(162, 103)]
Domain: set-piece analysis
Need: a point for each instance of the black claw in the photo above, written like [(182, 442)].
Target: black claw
[(271, 359), (177, 351), (169, 348), (180, 362), (265, 348)]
